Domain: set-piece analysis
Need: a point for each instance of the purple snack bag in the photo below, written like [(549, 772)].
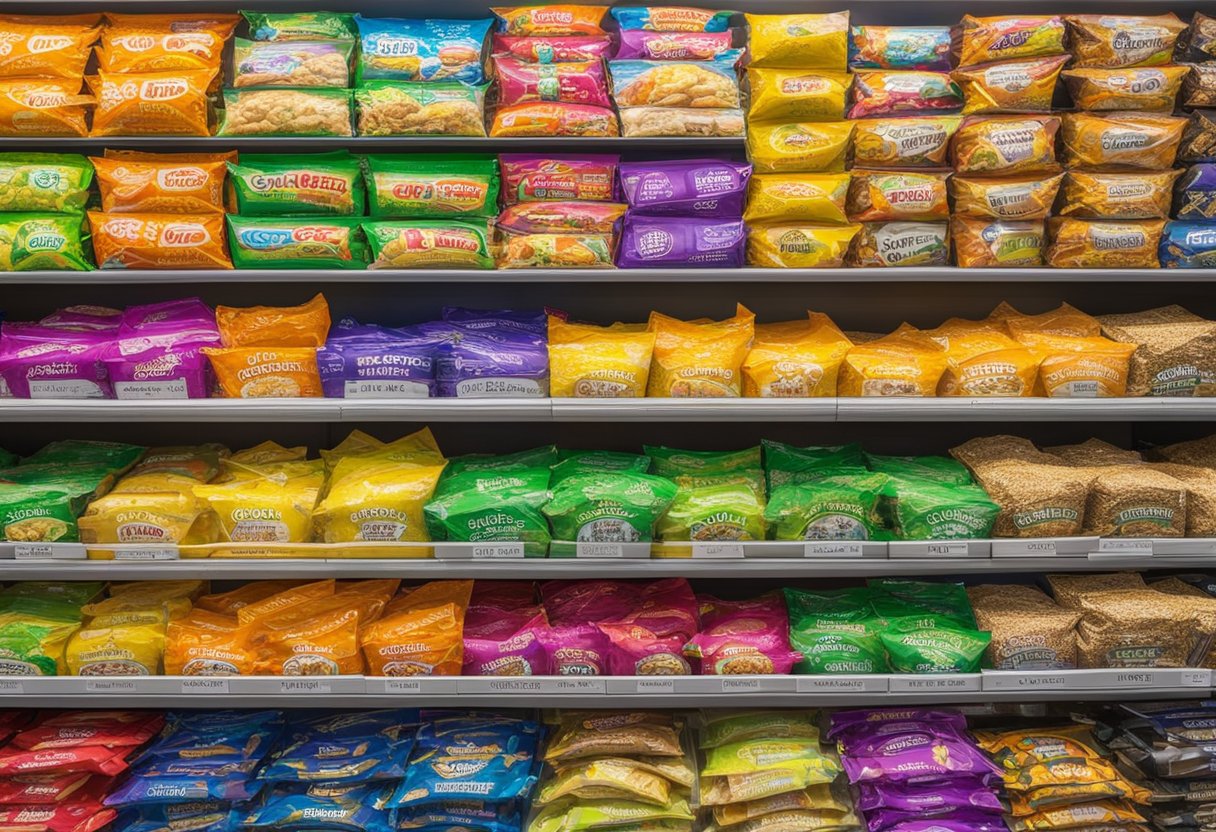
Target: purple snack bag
[(670, 242), (493, 364), (915, 757), (870, 719), (521, 654), (84, 317), (947, 825), (928, 797), (157, 352), (686, 188), (673, 46), (43, 362), (880, 819), (578, 650), (528, 320), (364, 360)]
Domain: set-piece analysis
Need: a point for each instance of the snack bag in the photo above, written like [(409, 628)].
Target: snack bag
[(266, 372), (164, 517), (776, 147), (692, 187), (986, 39), (805, 41), (1188, 245), (159, 241), (699, 360), (883, 244), (161, 103), (672, 46), (1137, 140), (441, 186), (206, 643), (264, 510), (286, 26), (44, 182), (680, 242), (1142, 195), (312, 243), (1006, 145), (798, 246), (797, 95), (1027, 198), (551, 250), (912, 141), (423, 635), (139, 186), (305, 325), (900, 47), (34, 242), (1102, 40), (680, 121), (883, 92), (728, 511), (671, 19), (137, 43), (429, 244), (291, 63), (555, 49), (882, 195), (562, 217), (545, 21), (417, 108), (317, 183), (133, 650), (43, 107), (41, 47), (1080, 367), (608, 507), (521, 82), (286, 111), (588, 361), (1197, 193), (1199, 86), (908, 362), (1087, 244), (555, 119), (372, 500), (795, 359), (1010, 87), (794, 197), (982, 361), (528, 177), (1125, 89), (991, 243), (695, 84), (421, 50)]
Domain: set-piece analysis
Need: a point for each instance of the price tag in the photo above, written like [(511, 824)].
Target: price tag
[(498, 551), (303, 686), (947, 548), (599, 550), (110, 686), (567, 685), (1024, 548), (1125, 546), (656, 686), (33, 551), (146, 553), (832, 549), (1196, 678), (934, 684), (741, 686), (826, 684), (514, 685), (11, 686), (204, 685), (402, 686), (717, 551)]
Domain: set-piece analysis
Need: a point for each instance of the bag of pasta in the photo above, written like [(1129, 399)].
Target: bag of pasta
[(1103, 244), (306, 325), (694, 359), (795, 359), (908, 362), (1114, 140), (803, 41), (587, 361), (43, 107), (152, 103), (422, 635)]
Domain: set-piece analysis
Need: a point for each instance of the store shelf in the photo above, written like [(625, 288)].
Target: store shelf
[(380, 144), (1023, 410)]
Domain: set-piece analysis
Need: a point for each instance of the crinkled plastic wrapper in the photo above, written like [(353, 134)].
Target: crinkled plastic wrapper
[(429, 244), (915, 141), (587, 361), (680, 242), (266, 372), (285, 111), (1137, 88), (809, 147), (1093, 367), (789, 245), (1137, 140), (43, 107), (991, 243), (560, 217), (377, 501), (37, 47), (315, 183), (555, 250), (1197, 193), (1142, 195), (673, 46), (797, 197), (164, 43), (300, 243), (291, 63), (1188, 245), (44, 181), (808, 41), (795, 359), (1107, 40), (551, 118), (897, 195), (883, 244), (554, 19), (284, 26), (907, 362), (1090, 244), (43, 362), (698, 85), (1197, 43), (693, 187), (133, 650), (900, 47), (1006, 145), (132, 185), (1010, 87), (531, 177), (1028, 198), (522, 82), (159, 241), (676, 121), (884, 92), (410, 186), (797, 95), (699, 360), (1199, 86), (394, 49), (137, 104), (986, 39), (36, 242), (671, 19), (424, 637), (552, 49)]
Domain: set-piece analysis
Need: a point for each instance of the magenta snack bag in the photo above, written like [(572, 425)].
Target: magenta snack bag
[(686, 188), (577, 650), (871, 719), (43, 362), (577, 602), (673, 46), (668, 609), (84, 317), (533, 177), (520, 654), (636, 651), (362, 360), (496, 623), (674, 243), (880, 819), (571, 83), (949, 825), (157, 352), (735, 647), (916, 757), (171, 313), (552, 49), (948, 795)]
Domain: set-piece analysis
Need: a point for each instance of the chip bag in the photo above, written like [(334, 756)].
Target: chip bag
[(1010, 87), (423, 635), (439, 186), (887, 244), (587, 361), (908, 362), (899, 47), (1093, 367), (317, 183), (159, 241), (429, 244), (266, 372), (132, 650), (671, 19), (1029, 198), (286, 26), (1188, 245), (1125, 89), (264, 510), (1142, 195), (1006, 145), (205, 643), (795, 359), (420, 108), (159, 103), (291, 63), (794, 197), (885, 92), (727, 511), (608, 507), (169, 187), (287, 111), (421, 50), (986, 39), (138, 43), (1104, 40), (699, 360), (544, 21), (43, 107), (912, 141), (797, 95), (40, 47), (306, 325), (305, 243), (776, 147), (376, 500), (36, 242), (1087, 244), (798, 245), (896, 195), (44, 182), (805, 41), (1137, 140), (553, 118), (991, 243)]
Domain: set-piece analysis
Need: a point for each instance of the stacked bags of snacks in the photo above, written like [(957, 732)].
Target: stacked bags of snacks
[(371, 361), (720, 496), (156, 73), (795, 359), (700, 359), (742, 637), (36, 621), (506, 632), (1029, 630), (797, 140), (60, 355), (1189, 241), (549, 63), (43, 198), (269, 352), (616, 502), (42, 74)]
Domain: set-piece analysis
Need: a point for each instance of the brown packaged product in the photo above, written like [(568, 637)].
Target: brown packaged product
[(1098, 814), (1141, 628), (1201, 452), (1133, 88), (1199, 138), (1175, 351), (1198, 43), (1036, 499), (1139, 195), (598, 735), (1200, 496), (1024, 198), (877, 195), (1104, 244), (987, 450), (1205, 609), (1110, 140), (1094, 452), (1027, 633), (794, 820), (1199, 86), (1068, 589), (1132, 501), (1105, 40), (989, 243)]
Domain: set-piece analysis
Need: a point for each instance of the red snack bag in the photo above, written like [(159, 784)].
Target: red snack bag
[(554, 49), (71, 817), (533, 177), (95, 759), (571, 83), (49, 788), (114, 729)]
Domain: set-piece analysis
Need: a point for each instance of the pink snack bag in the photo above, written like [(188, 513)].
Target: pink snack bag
[(638, 651), (578, 650), (570, 83), (673, 46), (750, 637), (532, 177), (520, 654), (552, 49)]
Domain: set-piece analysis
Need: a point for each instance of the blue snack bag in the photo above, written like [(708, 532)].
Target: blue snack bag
[(421, 50), (672, 19), (432, 776), (329, 760), (899, 47), (1196, 193), (476, 815), (291, 810), (391, 724), (1188, 245)]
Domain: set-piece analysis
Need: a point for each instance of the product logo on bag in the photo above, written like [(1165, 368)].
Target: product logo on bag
[(45, 241), (1012, 40), (181, 179), (184, 235), (165, 89), (45, 99), (47, 43)]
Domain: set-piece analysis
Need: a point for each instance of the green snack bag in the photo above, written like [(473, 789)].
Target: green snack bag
[(541, 457), (925, 510), (300, 63), (785, 464), (287, 111), (834, 508), (895, 598), (71, 593), (940, 469), (39, 513), (730, 511), (430, 244), (690, 469), (56, 182), (33, 645), (305, 243), (724, 728), (116, 456), (608, 507), (301, 25), (933, 644), (299, 185), (36, 242), (836, 631), (494, 505), (413, 186), (591, 462)]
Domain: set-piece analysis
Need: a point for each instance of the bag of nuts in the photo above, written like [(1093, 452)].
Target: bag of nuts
[(1141, 628), (1094, 452), (1134, 501), (1200, 496), (1200, 452), (1068, 589), (1175, 351), (1029, 630)]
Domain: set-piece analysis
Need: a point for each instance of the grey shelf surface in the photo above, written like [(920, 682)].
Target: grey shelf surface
[(367, 144)]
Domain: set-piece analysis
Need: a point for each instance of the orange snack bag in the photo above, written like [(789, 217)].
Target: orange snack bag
[(159, 241), (795, 359), (982, 360), (229, 603), (146, 156), (164, 43), (1080, 367), (168, 187), (43, 107), (266, 372), (560, 20), (554, 118), (908, 362), (205, 643), (1065, 319), (423, 636), (48, 47), (699, 359), (152, 103), (272, 605), (306, 325)]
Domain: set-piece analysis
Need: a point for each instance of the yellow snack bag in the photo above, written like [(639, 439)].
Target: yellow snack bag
[(33, 645), (206, 643), (266, 372), (423, 636), (116, 651), (1065, 319), (417, 449), (152, 103), (797, 197), (1079, 367), (1113, 140), (1150, 88), (1006, 145), (133, 43), (797, 94), (1104, 244), (695, 359), (881, 195), (358, 442), (253, 612), (1139, 195), (306, 325), (1007, 37), (160, 590), (159, 241), (777, 147), (1026, 198), (587, 361), (38, 47), (264, 511), (795, 359), (169, 187), (981, 360), (807, 41), (915, 141), (908, 362), (1107, 40), (140, 517), (986, 243), (799, 245), (1010, 86), (43, 107), (268, 452), (381, 501)]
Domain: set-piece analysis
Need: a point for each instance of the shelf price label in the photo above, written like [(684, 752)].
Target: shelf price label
[(832, 549), (11, 686), (1142, 547), (656, 686), (1024, 548), (717, 551), (33, 551), (110, 686), (145, 553), (498, 551), (599, 550), (304, 686), (947, 548), (203, 684)]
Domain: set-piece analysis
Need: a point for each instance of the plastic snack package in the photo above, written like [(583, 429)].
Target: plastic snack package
[(788, 245), (421, 50), (1104, 40), (680, 242), (156, 355), (694, 469), (806, 41), (429, 244), (1199, 86), (587, 361), (499, 363), (432, 186), (139, 186), (43, 107), (315, 183), (546, 20), (692, 187), (521, 653), (883, 92), (671, 19), (884, 244), (1141, 195), (305, 325), (991, 243), (1010, 87), (286, 111), (423, 636), (319, 639), (908, 362), (161, 103), (36, 242), (699, 360), (797, 197), (1197, 43), (1125, 89), (560, 217), (795, 359), (696, 84), (912, 141), (151, 43), (1111, 140), (266, 372), (400, 108), (264, 511), (895, 195), (36, 514), (159, 241), (555, 250), (44, 181), (677, 121), (1089, 244), (780, 148), (1188, 245), (619, 776), (366, 360), (376, 501), (133, 650), (521, 82), (164, 517), (673, 46), (479, 507), (302, 243), (1197, 193), (528, 177), (608, 507), (288, 26), (554, 119), (1006, 145), (44, 47), (987, 39), (1080, 367), (1028, 198), (797, 95), (832, 508), (554, 49), (900, 47), (291, 63)]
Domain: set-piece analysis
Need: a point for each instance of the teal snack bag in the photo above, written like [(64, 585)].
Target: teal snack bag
[(296, 185), (56, 182), (834, 508), (727, 511), (432, 186), (296, 243), (494, 505), (608, 507), (285, 26), (785, 464), (33, 242)]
